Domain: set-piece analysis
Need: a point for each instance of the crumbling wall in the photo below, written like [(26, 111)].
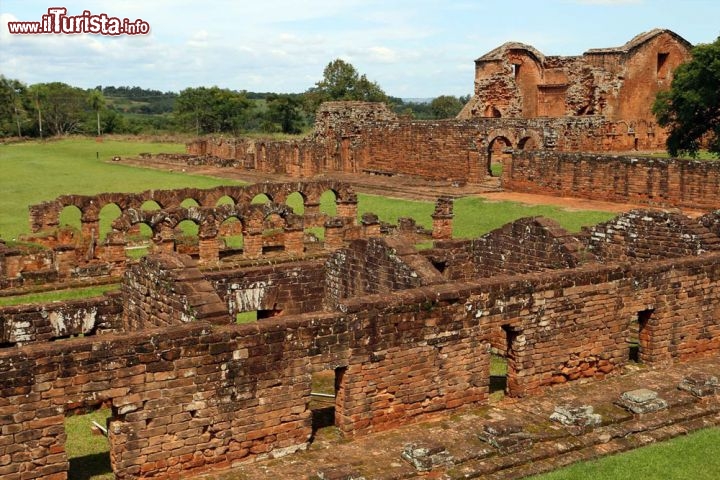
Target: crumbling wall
[(373, 266), (36, 323), (516, 80), (663, 182), (165, 290), (643, 235), (284, 288)]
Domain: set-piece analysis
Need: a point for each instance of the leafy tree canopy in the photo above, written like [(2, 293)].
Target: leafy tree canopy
[(212, 110), (691, 108), (341, 81)]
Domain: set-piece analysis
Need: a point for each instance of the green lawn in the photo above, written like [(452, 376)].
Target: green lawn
[(33, 172), (694, 457), (55, 295)]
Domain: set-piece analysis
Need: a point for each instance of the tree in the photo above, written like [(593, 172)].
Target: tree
[(691, 108), (64, 107), (212, 110), (341, 81), (446, 106), (13, 107), (96, 101), (286, 112)]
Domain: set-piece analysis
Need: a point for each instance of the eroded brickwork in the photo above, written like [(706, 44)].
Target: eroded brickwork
[(27, 324), (666, 182), (405, 341), (166, 290), (516, 80)]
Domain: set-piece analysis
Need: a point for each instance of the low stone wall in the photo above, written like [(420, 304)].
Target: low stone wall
[(37, 323), (662, 182)]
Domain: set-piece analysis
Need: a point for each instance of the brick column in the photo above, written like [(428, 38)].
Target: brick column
[(334, 234), (209, 251), (370, 225), (252, 245), (443, 219), (294, 243), (348, 209)]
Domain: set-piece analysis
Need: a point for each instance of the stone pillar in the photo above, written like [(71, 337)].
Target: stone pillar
[(334, 234), (442, 219), (165, 240), (208, 250), (65, 260), (348, 209), (252, 245), (294, 244), (370, 225), (114, 251), (89, 231), (313, 217)]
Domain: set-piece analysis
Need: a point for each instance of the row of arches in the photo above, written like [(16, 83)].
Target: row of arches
[(301, 196)]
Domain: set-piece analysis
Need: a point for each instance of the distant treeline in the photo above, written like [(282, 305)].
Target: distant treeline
[(50, 109)]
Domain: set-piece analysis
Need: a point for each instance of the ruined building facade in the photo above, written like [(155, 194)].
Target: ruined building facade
[(516, 80)]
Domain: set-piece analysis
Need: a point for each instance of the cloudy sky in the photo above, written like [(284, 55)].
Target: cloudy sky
[(412, 48)]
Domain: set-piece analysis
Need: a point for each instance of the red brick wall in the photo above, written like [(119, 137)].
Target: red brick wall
[(27, 324), (663, 182), (293, 287)]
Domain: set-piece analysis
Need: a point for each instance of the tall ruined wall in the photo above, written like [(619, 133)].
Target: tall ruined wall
[(652, 181), (516, 80), (441, 150), (642, 235), (27, 324), (290, 288)]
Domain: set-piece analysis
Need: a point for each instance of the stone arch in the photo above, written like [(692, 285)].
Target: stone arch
[(497, 148), (296, 201), (70, 215), (110, 212), (529, 141)]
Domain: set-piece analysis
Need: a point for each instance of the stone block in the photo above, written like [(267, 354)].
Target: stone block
[(641, 400), (426, 456), (700, 384)]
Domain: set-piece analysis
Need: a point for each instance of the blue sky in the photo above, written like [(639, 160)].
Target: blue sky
[(412, 48)]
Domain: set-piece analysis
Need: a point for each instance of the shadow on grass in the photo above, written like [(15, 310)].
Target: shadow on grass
[(91, 467)]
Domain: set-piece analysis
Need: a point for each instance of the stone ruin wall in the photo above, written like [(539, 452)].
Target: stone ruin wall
[(663, 182), (516, 80), (256, 379), (63, 254), (195, 396), (440, 150)]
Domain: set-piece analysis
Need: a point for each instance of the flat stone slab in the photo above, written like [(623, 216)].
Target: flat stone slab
[(641, 400), (426, 456), (576, 416), (700, 384), (641, 395)]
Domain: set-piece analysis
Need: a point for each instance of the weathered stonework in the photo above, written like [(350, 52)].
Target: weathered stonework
[(516, 80), (190, 396), (662, 182)]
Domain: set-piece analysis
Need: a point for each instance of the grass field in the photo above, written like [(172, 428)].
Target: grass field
[(33, 172), (694, 457)]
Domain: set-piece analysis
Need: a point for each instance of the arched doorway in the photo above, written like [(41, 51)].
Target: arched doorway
[(499, 148)]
